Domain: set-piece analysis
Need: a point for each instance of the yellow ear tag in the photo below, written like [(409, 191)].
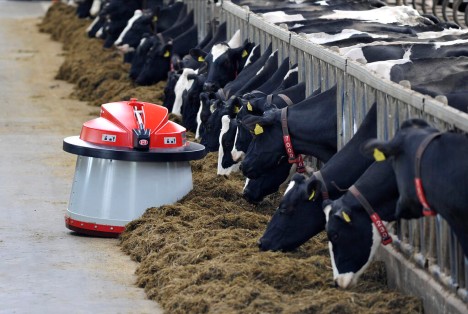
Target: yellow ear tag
[(312, 195), (346, 217), (236, 109), (244, 53), (249, 106), (201, 59), (258, 129), (378, 155), (155, 18), (166, 54)]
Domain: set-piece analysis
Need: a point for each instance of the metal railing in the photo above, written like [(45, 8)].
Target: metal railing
[(428, 242)]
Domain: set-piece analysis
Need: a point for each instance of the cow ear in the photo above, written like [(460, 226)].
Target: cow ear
[(198, 54), (167, 51), (238, 53), (255, 124), (343, 215), (312, 188), (380, 150)]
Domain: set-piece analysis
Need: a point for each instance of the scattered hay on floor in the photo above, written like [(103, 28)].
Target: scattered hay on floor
[(199, 255)]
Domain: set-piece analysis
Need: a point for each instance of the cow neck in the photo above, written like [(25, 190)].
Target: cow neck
[(285, 98), (292, 158), (386, 238), (427, 211), (318, 175), (314, 129)]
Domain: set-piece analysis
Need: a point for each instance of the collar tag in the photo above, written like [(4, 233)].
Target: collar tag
[(386, 238), (427, 211)]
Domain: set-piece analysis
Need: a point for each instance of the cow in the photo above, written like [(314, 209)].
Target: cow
[(353, 237), (430, 169), (191, 101), (149, 40), (313, 132), (158, 61), (212, 126), (299, 216), (223, 62), (393, 51), (234, 139), (258, 106), (148, 22), (433, 76), (255, 190), (117, 13)]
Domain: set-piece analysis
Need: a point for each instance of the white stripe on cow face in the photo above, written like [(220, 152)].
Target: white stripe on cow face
[(236, 40), (402, 15), (100, 32), (197, 133), (95, 8), (350, 279), (218, 50), (182, 84), (246, 183), (224, 128), (290, 72), (249, 59), (90, 27), (130, 22), (237, 155), (327, 210), (290, 186)]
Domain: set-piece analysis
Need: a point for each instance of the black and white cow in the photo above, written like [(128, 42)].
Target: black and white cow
[(353, 237), (212, 126), (148, 22), (223, 62), (434, 76), (158, 60), (393, 51), (442, 181), (257, 106), (117, 13), (312, 131), (299, 216)]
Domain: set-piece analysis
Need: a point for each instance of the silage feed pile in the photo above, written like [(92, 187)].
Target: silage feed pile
[(200, 254)]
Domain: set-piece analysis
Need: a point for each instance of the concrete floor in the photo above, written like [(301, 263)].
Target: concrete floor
[(45, 268)]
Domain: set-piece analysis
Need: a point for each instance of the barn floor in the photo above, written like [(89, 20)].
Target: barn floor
[(44, 267)]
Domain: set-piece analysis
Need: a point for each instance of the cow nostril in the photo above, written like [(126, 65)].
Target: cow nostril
[(336, 284)]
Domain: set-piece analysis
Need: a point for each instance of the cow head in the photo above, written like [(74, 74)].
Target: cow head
[(141, 23), (353, 237), (401, 150), (169, 94), (255, 190), (266, 150), (226, 142), (157, 64), (288, 229), (191, 101), (212, 127), (223, 64), (139, 58), (352, 241)]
